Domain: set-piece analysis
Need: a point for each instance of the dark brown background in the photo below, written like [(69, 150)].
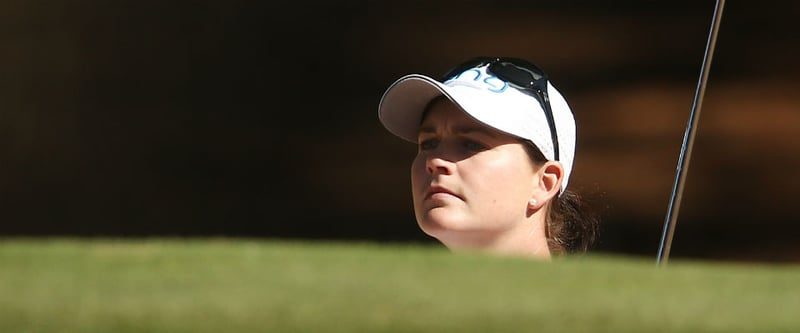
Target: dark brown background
[(258, 118)]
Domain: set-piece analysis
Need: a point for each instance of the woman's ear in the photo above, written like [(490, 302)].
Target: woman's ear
[(551, 175)]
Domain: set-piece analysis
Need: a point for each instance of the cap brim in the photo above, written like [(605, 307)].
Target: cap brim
[(401, 107)]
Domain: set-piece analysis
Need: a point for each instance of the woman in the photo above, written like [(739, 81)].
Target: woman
[(496, 143)]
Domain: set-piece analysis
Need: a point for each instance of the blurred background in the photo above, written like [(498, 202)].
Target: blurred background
[(258, 118)]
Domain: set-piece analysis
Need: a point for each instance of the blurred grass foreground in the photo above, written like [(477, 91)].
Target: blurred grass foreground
[(219, 285)]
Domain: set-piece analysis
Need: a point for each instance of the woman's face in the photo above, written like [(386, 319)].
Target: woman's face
[(468, 179)]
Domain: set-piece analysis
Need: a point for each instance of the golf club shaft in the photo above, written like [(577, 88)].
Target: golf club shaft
[(688, 142)]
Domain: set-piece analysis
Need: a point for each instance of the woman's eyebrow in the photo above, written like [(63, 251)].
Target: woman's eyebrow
[(426, 130), (461, 130), (474, 130)]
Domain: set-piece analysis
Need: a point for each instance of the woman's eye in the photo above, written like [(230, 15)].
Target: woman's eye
[(427, 144), (473, 145)]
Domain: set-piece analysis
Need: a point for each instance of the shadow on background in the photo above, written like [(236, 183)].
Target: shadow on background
[(258, 119)]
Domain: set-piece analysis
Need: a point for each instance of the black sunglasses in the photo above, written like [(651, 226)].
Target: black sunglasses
[(521, 74)]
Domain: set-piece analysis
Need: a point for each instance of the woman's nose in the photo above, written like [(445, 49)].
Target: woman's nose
[(437, 164)]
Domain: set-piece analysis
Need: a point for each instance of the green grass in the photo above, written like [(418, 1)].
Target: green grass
[(218, 285)]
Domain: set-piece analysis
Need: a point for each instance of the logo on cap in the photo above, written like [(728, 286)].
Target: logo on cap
[(478, 78)]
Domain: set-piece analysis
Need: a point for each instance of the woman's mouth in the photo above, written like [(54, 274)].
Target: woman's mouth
[(437, 192)]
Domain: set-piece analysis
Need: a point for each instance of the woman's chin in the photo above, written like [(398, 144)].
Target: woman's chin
[(440, 221)]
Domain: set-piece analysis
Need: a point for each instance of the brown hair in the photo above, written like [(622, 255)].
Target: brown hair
[(572, 226)]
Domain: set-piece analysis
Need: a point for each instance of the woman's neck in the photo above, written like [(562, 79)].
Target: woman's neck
[(527, 239)]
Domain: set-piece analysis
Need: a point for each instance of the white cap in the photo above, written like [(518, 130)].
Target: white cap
[(488, 100)]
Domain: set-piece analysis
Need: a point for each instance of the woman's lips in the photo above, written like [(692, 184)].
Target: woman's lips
[(440, 192)]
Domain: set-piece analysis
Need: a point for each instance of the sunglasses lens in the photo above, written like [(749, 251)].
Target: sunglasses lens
[(521, 76)]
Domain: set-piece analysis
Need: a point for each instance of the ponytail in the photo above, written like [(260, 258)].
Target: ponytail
[(571, 226)]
